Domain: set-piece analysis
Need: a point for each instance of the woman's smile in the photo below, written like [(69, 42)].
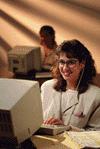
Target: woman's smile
[(66, 73)]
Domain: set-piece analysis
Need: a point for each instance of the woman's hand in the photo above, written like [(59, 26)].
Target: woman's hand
[(54, 121)]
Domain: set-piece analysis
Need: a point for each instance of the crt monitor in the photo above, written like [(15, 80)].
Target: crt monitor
[(23, 59), (20, 109)]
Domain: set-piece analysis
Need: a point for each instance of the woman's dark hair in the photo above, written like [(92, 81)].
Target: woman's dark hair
[(75, 49), (48, 33)]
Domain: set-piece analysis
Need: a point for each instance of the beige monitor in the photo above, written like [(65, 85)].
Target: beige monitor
[(23, 59), (20, 108)]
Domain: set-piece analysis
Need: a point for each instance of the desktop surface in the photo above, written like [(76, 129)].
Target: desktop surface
[(40, 76), (61, 141), (68, 140)]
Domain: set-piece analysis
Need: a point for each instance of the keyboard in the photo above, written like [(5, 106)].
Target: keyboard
[(47, 129)]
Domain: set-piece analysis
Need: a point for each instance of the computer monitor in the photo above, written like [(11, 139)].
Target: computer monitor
[(23, 59), (20, 109)]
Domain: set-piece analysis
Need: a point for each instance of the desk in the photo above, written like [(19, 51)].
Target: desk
[(29, 76), (69, 140), (62, 141), (41, 76)]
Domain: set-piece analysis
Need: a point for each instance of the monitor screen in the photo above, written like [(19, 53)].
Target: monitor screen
[(20, 108)]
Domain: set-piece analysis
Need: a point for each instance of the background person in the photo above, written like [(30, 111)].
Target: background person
[(48, 46), (4, 70), (71, 98)]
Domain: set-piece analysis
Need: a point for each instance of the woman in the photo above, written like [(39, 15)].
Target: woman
[(4, 70), (48, 46), (71, 98)]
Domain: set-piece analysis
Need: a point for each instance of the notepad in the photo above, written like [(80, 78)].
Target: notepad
[(86, 139)]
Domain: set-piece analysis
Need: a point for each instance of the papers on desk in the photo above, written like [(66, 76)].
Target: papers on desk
[(86, 139)]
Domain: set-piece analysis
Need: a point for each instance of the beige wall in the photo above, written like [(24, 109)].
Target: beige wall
[(20, 21)]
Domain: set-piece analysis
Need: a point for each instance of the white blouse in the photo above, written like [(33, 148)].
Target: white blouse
[(79, 111)]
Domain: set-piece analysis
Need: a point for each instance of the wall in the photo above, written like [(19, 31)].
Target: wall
[(20, 21)]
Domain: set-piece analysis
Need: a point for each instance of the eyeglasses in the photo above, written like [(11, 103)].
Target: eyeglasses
[(70, 63)]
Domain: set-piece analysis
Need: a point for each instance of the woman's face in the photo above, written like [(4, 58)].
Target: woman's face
[(69, 68), (42, 38)]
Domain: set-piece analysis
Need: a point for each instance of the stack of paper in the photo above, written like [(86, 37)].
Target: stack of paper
[(89, 139)]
